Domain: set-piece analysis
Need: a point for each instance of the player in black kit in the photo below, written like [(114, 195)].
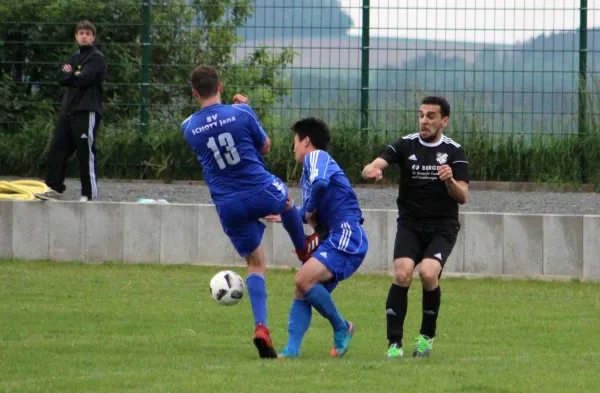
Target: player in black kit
[(434, 181)]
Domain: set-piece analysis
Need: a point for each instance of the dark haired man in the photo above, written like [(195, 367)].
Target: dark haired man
[(434, 181), (229, 142), (328, 200), (79, 116)]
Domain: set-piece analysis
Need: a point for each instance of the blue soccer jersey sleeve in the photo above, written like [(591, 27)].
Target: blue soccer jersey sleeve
[(336, 200), (316, 164), (257, 132)]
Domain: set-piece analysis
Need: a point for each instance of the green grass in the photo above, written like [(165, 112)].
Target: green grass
[(68, 327)]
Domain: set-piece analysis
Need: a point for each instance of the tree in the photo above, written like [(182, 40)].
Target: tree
[(36, 39)]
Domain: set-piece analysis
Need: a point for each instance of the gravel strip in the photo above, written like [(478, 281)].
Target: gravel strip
[(370, 198)]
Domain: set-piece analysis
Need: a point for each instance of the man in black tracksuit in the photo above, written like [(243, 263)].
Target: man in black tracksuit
[(79, 116)]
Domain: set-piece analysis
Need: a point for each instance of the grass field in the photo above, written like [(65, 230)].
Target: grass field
[(68, 327)]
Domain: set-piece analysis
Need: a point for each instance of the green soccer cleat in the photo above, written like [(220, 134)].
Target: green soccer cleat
[(423, 347), (395, 352)]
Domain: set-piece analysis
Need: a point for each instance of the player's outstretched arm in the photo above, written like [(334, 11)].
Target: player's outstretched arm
[(375, 169), (259, 132)]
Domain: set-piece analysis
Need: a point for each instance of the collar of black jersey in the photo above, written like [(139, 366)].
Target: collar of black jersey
[(435, 144), (86, 48)]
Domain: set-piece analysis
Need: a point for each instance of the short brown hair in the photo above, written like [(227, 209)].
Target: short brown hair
[(85, 25), (205, 80), (441, 101)]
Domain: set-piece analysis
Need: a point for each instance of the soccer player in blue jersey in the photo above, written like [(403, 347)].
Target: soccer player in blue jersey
[(230, 142), (327, 199)]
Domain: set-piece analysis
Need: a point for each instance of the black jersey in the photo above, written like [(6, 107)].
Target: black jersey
[(422, 195)]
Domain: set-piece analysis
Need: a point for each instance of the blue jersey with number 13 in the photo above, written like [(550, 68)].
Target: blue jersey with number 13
[(227, 140)]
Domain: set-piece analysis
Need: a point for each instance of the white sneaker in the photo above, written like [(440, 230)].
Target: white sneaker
[(84, 199)]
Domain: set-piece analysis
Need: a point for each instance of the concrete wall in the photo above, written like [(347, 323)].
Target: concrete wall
[(488, 244)]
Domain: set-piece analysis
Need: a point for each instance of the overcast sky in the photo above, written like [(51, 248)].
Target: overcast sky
[(497, 21)]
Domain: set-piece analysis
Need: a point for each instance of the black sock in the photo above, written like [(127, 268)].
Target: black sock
[(431, 307), (395, 310)]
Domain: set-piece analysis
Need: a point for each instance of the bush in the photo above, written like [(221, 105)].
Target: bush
[(162, 153)]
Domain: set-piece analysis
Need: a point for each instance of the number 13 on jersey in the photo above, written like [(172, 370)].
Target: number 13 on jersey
[(231, 156)]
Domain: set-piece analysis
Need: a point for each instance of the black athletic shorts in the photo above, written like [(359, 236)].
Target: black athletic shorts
[(420, 240)]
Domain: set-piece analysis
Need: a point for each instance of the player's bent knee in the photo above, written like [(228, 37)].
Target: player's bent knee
[(311, 273), (402, 277), (428, 279), (404, 271), (304, 282), (429, 272)]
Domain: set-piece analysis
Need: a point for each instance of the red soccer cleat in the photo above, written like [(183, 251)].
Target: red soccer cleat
[(262, 341), (312, 242)]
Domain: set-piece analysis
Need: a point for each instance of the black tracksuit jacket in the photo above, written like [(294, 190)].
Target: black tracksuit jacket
[(84, 81)]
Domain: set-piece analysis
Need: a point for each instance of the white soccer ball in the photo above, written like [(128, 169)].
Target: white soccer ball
[(227, 287)]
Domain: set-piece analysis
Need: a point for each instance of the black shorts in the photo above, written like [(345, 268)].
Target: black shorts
[(420, 240)]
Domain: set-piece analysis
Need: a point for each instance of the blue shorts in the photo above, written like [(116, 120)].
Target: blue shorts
[(343, 251), (240, 219)]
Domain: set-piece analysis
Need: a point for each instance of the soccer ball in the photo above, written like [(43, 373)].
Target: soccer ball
[(227, 287)]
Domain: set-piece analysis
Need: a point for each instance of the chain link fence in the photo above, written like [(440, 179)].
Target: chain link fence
[(522, 78)]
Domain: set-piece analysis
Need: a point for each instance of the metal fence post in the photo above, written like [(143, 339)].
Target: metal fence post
[(582, 96), (145, 74), (364, 80)]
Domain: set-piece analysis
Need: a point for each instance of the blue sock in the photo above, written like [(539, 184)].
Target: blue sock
[(321, 300), (300, 317), (258, 297), (292, 222)]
